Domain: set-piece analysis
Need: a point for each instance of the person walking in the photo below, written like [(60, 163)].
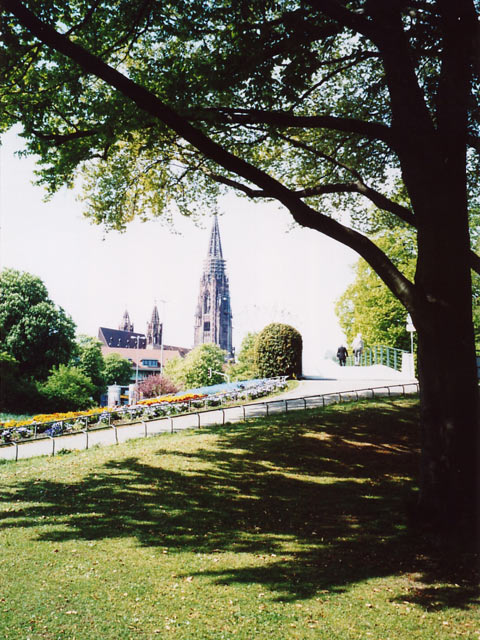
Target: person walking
[(357, 346), (342, 355)]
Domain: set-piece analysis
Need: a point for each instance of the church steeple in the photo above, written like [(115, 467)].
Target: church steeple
[(213, 317), (125, 324), (215, 246), (154, 329)]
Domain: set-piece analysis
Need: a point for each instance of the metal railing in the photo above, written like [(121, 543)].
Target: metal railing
[(379, 354), (198, 419)]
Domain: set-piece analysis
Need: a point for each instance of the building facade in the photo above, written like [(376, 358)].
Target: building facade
[(145, 351), (213, 316)]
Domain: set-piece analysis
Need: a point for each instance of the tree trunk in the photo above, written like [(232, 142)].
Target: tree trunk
[(449, 498)]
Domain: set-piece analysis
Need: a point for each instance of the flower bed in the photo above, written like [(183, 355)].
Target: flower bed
[(55, 424)]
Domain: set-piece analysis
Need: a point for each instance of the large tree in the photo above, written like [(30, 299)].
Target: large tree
[(33, 330), (291, 101)]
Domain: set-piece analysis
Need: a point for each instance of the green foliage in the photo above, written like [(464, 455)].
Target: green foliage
[(200, 361), (89, 360), (33, 330), (193, 370), (368, 306), (278, 351), (67, 388), (16, 392), (117, 370), (245, 367)]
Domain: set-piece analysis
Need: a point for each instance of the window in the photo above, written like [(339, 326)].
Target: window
[(206, 326), (150, 363)]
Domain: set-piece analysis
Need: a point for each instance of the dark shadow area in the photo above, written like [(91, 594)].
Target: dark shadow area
[(335, 488)]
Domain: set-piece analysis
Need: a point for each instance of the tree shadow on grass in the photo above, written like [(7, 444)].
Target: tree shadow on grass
[(321, 499)]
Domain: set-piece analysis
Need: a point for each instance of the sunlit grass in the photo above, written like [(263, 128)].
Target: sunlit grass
[(284, 527)]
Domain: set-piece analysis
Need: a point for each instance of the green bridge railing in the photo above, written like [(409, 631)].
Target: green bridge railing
[(379, 354)]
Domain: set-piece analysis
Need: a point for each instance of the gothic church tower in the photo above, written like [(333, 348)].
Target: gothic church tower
[(154, 330), (213, 317), (125, 324)]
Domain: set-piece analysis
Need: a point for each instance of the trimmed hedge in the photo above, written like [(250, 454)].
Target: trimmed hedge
[(278, 351)]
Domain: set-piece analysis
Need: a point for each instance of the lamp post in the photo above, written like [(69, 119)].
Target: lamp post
[(411, 329), (161, 336), (136, 371)]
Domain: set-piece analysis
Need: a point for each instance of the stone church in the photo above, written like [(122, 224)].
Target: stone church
[(213, 316), (213, 321)]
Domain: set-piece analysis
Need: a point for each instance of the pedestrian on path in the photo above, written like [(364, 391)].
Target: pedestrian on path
[(342, 355), (358, 348)]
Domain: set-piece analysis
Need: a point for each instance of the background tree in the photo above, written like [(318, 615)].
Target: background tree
[(156, 385), (291, 101), (67, 388), (245, 367), (368, 306), (117, 370), (203, 364), (89, 359), (17, 394), (33, 330), (278, 351), (193, 370)]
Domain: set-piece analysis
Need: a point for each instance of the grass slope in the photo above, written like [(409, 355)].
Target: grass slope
[(284, 527)]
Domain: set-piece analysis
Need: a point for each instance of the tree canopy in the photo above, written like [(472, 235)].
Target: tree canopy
[(37, 333), (117, 370), (368, 306), (202, 366)]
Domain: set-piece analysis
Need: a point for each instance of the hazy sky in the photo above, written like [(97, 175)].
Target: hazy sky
[(276, 273)]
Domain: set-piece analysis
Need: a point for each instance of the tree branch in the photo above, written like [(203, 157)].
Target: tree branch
[(304, 215), (370, 130)]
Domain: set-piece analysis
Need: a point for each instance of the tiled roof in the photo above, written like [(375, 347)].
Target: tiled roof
[(121, 339)]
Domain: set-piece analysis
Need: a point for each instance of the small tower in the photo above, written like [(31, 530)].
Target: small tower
[(154, 330), (213, 316), (126, 325)]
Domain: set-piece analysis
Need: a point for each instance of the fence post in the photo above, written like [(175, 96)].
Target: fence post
[(266, 405), (286, 405), (304, 403), (53, 445), (198, 418), (115, 428), (223, 417), (86, 438), (243, 407), (16, 451), (171, 424), (145, 427)]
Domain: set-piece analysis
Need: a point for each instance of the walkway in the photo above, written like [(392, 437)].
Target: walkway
[(309, 393)]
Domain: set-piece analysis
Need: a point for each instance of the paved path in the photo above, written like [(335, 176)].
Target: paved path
[(308, 394)]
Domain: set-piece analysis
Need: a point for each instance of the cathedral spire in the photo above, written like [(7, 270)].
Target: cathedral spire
[(213, 317), (215, 245)]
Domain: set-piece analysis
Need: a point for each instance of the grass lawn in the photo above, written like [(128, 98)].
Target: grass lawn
[(283, 527)]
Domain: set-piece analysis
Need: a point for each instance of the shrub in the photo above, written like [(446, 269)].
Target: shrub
[(156, 385), (67, 389), (278, 351)]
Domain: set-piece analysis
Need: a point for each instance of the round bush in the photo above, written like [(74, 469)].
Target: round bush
[(278, 351)]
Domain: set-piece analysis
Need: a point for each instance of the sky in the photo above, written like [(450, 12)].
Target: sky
[(278, 272)]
